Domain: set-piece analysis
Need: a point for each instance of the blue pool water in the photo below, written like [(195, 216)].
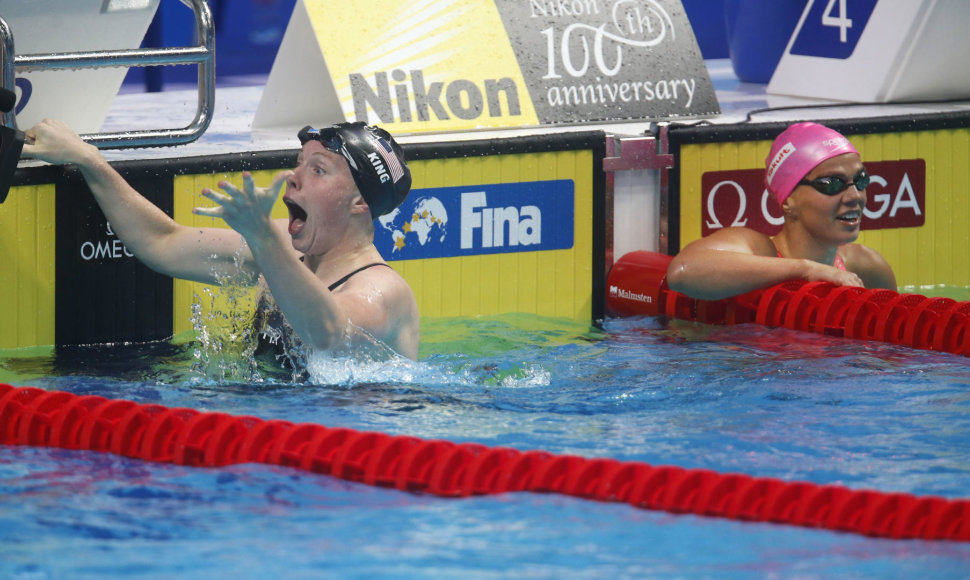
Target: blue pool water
[(745, 399)]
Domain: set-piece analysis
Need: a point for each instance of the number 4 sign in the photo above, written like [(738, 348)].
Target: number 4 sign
[(877, 51), (832, 28)]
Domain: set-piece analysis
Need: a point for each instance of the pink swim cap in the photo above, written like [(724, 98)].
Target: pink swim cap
[(796, 152)]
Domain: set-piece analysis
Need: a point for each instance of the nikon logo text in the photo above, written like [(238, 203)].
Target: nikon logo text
[(406, 97)]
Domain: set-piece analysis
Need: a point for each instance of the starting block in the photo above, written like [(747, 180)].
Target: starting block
[(877, 51)]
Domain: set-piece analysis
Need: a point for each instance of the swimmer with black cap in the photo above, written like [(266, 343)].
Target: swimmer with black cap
[(320, 265), (818, 178)]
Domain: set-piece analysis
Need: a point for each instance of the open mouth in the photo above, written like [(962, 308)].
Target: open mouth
[(297, 216)]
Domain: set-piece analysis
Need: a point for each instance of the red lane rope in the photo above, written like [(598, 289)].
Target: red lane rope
[(638, 286), (33, 416)]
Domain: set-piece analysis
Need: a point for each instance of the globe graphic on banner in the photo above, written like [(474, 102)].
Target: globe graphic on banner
[(427, 221)]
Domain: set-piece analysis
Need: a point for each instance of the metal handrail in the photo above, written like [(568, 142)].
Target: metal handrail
[(203, 54)]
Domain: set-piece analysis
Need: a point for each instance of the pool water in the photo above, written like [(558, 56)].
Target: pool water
[(743, 399)]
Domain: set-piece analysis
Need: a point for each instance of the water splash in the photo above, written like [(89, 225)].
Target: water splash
[(223, 321), (504, 351)]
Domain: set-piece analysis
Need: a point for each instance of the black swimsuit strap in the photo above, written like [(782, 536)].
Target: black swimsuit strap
[(336, 284)]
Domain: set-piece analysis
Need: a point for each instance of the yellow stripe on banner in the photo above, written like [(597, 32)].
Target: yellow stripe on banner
[(938, 253), (428, 45), (556, 283), (218, 305), (27, 274)]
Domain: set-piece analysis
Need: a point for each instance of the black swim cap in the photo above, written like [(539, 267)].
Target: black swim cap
[(376, 161)]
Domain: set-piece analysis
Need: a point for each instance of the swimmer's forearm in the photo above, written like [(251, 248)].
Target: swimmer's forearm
[(136, 220), (308, 305), (199, 254), (133, 218), (724, 274)]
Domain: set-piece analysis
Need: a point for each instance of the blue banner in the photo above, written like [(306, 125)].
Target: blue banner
[(474, 220)]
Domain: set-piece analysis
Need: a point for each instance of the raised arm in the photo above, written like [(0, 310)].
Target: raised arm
[(200, 254), (309, 306), (376, 300), (733, 261)]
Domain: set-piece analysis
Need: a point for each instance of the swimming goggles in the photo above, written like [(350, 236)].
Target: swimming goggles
[(329, 137), (834, 185)]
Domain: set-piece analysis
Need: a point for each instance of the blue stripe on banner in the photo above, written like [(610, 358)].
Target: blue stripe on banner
[(479, 219)]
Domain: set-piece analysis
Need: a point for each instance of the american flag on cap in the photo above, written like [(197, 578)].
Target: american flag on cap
[(390, 159)]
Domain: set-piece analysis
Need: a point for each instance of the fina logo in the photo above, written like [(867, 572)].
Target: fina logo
[(428, 221), (485, 225), (524, 224), (491, 219)]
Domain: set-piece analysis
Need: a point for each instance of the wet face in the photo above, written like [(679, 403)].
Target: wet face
[(319, 196), (833, 219)]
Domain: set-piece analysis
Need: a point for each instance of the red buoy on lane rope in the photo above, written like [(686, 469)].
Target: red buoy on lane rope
[(637, 286)]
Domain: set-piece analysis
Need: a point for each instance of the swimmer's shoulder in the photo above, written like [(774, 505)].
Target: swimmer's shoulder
[(383, 287), (382, 282), (379, 275), (738, 239), (867, 263)]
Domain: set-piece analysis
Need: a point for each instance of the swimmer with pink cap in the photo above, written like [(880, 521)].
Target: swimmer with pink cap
[(817, 177), (797, 151)]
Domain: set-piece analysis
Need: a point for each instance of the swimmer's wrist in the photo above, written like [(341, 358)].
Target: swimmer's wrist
[(806, 269), (90, 156)]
